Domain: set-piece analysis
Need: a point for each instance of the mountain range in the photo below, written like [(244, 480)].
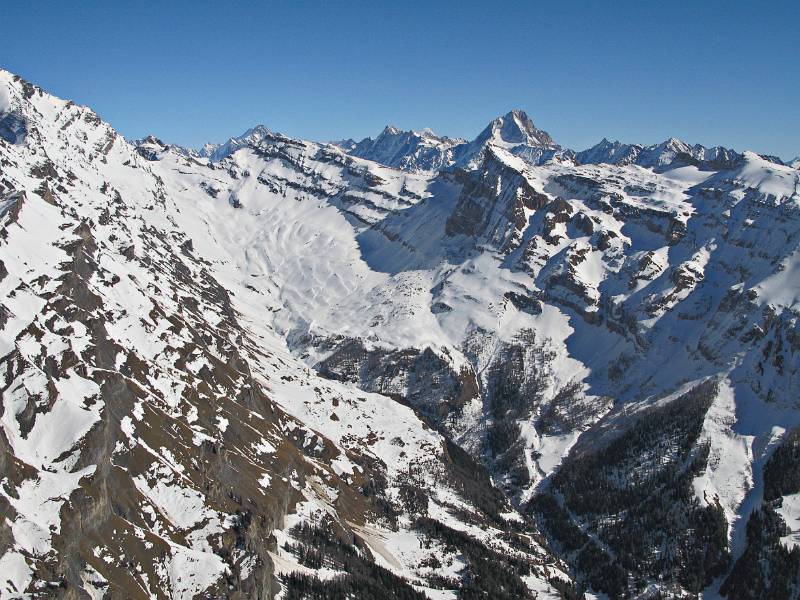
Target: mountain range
[(408, 367)]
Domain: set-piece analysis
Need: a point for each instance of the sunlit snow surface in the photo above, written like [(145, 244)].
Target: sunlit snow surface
[(319, 245), (322, 272), (278, 258)]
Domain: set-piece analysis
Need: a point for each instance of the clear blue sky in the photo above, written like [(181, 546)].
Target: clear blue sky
[(709, 72)]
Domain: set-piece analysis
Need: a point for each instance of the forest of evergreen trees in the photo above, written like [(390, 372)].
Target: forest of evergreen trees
[(635, 498), (323, 546), (768, 569)]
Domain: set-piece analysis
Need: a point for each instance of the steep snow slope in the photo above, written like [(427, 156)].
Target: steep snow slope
[(158, 438)]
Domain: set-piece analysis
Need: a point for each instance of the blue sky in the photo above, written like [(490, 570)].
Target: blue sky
[(709, 72)]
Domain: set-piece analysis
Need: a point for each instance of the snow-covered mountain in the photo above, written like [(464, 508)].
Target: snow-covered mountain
[(159, 439), (667, 155), (412, 151), (515, 133), (216, 152), (670, 154), (419, 151), (286, 369), (611, 153)]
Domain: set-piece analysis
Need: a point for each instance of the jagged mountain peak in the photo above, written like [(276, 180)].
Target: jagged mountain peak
[(516, 133), (425, 134), (606, 143), (149, 139), (346, 144), (390, 130), (153, 148), (670, 153), (516, 127), (606, 151), (411, 150), (674, 142), (253, 136), (150, 147), (258, 131), (424, 150)]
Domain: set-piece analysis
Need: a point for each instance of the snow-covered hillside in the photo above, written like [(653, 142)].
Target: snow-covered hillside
[(414, 365), (158, 437)]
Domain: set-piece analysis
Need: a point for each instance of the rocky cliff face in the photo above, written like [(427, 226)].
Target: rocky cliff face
[(285, 369)]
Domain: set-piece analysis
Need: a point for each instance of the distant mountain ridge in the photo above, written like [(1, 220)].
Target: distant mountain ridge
[(252, 136), (412, 151), (515, 132), (668, 154)]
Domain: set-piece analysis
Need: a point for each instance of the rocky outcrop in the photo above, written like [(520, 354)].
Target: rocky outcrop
[(422, 379), (492, 203)]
